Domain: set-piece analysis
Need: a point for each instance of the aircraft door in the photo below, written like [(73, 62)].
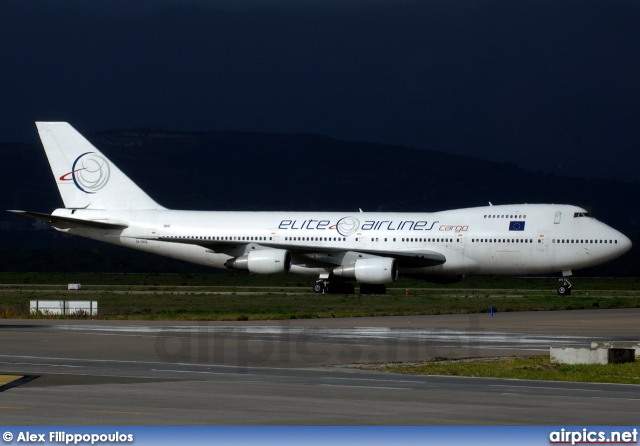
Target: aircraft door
[(556, 220), (541, 243)]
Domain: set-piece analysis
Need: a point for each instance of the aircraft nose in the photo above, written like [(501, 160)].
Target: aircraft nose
[(624, 243)]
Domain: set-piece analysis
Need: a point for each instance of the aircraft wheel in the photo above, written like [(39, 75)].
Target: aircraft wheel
[(318, 287), (369, 288), (380, 289), (564, 290)]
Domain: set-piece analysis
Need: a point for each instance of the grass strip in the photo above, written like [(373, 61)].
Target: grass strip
[(534, 367), (219, 297)]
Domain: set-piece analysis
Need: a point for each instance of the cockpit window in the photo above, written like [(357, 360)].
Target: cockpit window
[(581, 214)]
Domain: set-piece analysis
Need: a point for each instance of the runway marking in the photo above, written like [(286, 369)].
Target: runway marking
[(13, 407), (547, 388), (367, 387), (41, 364), (121, 412), (379, 380), (142, 363), (204, 373), (6, 379), (11, 381)]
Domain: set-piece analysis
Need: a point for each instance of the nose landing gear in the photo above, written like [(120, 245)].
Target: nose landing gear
[(565, 288)]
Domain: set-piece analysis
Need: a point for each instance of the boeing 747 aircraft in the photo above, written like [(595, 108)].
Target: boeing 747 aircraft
[(372, 248)]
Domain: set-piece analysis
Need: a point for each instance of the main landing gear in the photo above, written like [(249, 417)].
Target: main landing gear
[(334, 285), (372, 288)]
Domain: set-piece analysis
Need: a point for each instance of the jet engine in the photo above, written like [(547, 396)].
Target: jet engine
[(264, 261), (376, 270)]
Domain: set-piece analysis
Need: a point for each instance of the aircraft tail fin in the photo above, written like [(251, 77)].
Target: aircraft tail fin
[(85, 177)]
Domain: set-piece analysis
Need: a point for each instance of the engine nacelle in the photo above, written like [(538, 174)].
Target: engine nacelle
[(264, 261), (377, 270)]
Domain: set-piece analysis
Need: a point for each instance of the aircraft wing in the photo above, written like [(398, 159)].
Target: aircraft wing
[(405, 259), (413, 259), (70, 222), (329, 256)]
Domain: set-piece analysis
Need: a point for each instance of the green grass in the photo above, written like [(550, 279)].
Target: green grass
[(209, 297), (536, 368), (288, 280)]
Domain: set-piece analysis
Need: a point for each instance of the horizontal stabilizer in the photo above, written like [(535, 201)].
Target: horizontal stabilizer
[(69, 222)]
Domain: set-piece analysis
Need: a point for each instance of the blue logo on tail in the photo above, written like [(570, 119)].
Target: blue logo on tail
[(90, 173)]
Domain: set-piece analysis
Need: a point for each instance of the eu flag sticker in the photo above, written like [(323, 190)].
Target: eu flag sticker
[(516, 226)]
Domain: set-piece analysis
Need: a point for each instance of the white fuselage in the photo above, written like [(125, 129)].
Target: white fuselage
[(505, 239)]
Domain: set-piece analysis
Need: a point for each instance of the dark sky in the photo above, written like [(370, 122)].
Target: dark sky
[(547, 84)]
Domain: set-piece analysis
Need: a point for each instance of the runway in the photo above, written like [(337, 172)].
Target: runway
[(298, 372)]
